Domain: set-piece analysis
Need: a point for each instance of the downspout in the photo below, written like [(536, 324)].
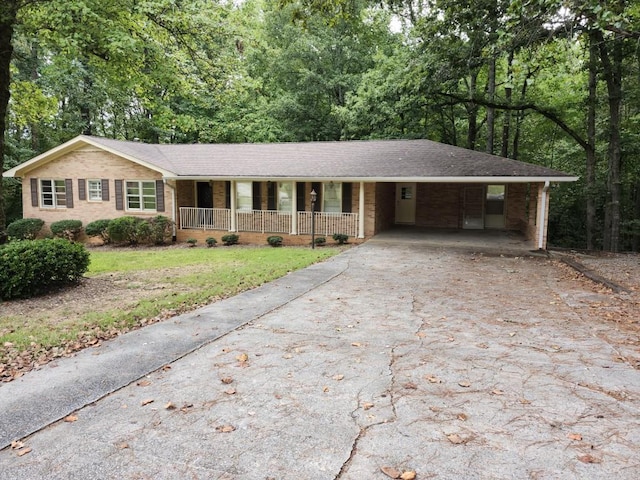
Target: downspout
[(542, 218), (174, 208)]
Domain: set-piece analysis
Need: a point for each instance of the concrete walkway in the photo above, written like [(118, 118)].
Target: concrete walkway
[(449, 363)]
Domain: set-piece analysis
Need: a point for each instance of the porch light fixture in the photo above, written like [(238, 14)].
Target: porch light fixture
[(314, 197)]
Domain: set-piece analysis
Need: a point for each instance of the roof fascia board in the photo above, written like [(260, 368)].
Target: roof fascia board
[(490, 180), (71, 145)]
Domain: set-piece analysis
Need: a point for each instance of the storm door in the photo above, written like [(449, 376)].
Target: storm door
[(406, 203)]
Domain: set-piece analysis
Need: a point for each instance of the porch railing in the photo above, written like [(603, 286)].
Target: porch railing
[(268, 221)]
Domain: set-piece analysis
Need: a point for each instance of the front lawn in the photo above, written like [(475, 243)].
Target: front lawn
[(129, 288)]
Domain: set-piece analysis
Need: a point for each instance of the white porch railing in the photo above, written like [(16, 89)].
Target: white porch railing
[(268, 221), (329, 223)]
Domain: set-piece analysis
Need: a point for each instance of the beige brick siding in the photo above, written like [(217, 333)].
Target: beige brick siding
[(89, 163)]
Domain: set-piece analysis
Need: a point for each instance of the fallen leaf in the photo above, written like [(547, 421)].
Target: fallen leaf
[(226, 380), (390, 472), (325, 389), (16, 444), (123, 445), (225, 428), (524, 401), (455, 439), (409, 475), (410, 386), (170, 406), (355, 344), (575, 436), (147, 401), (71, 418), (421, 334), (461, 416), (497, 391), (186, 407), (589, 459), (464, 384), (367, 406), (230, 391), (24, 451), (166, 367), (433, 379), (242, 358), (338, 377), (143, 383)]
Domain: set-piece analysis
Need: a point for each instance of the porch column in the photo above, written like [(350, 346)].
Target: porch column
[(542, 215), (361, 211), (233, 227), (294, 208)]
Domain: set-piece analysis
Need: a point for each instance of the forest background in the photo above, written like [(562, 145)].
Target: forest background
[(551, 82)]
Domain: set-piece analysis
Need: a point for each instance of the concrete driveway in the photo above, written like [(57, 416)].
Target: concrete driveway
[(449, 363)]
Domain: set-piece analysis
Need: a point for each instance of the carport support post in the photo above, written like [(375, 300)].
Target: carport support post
[(543, 206), (233, 226), (314, 196), (361, 211)]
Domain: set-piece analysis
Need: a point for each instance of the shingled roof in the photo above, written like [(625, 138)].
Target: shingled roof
[(372, 160)]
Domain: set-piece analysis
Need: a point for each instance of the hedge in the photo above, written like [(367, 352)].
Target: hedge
[(24, 229), (32, 267)]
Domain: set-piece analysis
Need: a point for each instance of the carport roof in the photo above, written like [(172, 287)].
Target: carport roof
[(370, 160)]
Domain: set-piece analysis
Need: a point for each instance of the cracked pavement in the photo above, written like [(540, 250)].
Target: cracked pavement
[(447, 362)]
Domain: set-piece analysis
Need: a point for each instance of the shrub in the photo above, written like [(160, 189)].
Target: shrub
[(32, 267), (69, 229), (161, 229), (192, 242), (125, 230), (25, 229), (230, 239), (98, 228), (211, 242), (341, 238), (275, 240), (320, 241)]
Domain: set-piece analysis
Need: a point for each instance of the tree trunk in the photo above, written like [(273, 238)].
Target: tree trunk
[(8, 15), (504, 151), (491, 112), (590, 174), (472, 112), (612, 70)]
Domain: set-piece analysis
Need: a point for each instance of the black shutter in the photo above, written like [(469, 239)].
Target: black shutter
[(119, 194), (300, 196), (68, 186), (82, 189), (272, 190), (159, 196), (34, 192), (227, 194), (317, 187), (105, 189), (257, 195), (347, 194)]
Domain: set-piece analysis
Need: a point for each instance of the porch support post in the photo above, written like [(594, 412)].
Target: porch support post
[(543, 217), (233, 227), (361, 211), (294, 208)]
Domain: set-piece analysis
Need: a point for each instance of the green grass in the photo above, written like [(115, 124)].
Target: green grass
[(213, 273)]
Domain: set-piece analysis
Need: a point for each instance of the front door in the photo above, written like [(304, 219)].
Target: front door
[(406, 203), (205, 195), (473, 208)]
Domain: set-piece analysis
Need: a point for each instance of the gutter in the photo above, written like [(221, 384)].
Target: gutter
[(542, 221)]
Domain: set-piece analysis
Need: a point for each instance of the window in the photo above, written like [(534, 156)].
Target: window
[(94, 190), (285, 194), (53, 193), (244, 195), (332, 198), (141, 195)]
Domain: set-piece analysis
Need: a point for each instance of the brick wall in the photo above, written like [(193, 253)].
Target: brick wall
[(89, 163)]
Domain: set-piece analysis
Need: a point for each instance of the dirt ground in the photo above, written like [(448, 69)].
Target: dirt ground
[(100, 293)]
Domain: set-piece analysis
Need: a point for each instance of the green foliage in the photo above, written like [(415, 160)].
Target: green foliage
[(33, 267), (275, 240), (211, 242), (160, 229), (192, 242), (126, 230), (69, 229), (230, 239), (320, 241), (340, 238), (98, 228), (25, 229)]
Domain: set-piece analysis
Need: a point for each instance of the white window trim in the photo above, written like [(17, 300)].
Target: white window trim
[(54, 193), (140, 196), (99, 190)]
